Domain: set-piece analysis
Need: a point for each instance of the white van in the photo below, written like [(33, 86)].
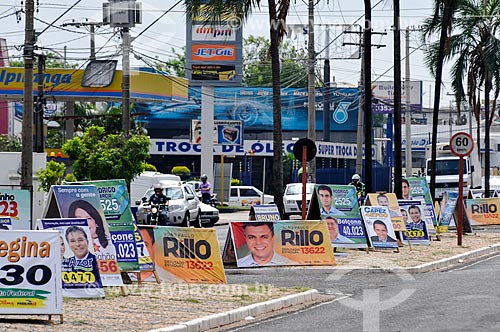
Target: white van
[(246, 196), (146, 180)]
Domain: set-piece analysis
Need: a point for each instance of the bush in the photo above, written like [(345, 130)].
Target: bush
[(235, 182), (150, 167), (181, 171)]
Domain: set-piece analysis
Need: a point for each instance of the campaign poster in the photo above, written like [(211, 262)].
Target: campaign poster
[(16, 205), (446, 210), (5, 223), (419, 190), (379, 226), (114, 199), (123, 238), (82, 201), (346, 232), (483, 211), (191, 255), (79, 265), (268, 212), (280, 243), (337, 200), (416, 227), (31, 282), (115, 203), (145, 240), (391, 201)]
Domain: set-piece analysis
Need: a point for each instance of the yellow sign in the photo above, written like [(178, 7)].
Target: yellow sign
[(390, 200), (484, 210), (66, 84), (188, 254)]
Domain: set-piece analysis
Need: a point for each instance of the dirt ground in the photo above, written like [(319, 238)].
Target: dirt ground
[(158, 305)]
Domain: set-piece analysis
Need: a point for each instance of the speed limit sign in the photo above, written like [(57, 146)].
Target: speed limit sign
[(461, 144)]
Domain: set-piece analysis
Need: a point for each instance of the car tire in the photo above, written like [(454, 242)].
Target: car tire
[(197, 222), (186, 222)]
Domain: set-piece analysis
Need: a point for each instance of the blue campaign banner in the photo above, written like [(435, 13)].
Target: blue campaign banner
[(123, 239), (254, 107)]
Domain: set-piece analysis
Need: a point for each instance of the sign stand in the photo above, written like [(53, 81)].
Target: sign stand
[(304, 149), (461, 145)]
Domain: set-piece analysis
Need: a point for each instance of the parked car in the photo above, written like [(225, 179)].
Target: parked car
[(248, 195), (292, 198), (209, 215), (183, 206)]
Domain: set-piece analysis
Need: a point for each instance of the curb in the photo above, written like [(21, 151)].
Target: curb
[(239, 314)]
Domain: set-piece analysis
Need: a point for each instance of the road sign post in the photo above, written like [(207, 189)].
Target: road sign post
[(461, 145), (304, 149)]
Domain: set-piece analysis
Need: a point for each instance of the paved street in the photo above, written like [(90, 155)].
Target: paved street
[(462, 299)]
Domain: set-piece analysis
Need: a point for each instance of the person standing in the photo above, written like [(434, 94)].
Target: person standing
[(205, 189)]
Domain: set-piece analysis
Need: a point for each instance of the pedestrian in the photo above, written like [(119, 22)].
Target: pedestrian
[(205, 189)]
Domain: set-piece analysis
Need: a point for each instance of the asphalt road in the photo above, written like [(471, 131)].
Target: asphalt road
[(462, 299)]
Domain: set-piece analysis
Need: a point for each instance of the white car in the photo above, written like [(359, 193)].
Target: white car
[(183, 206), (248, 195), (292, 198), (209, 215)]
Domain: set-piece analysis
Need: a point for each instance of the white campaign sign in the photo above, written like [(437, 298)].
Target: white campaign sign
[(30, 273)]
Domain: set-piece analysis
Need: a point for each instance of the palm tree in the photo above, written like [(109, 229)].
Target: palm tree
[(475, 49), (441, 22), (278, 11)]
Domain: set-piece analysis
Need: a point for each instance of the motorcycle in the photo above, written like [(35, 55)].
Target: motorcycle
[(155, 216)]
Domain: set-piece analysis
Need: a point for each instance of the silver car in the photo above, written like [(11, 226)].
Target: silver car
[(183, 208)]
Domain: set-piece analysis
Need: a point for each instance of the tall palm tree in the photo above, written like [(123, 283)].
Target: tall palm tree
[(474, 45), (441, 21), (278, 12)]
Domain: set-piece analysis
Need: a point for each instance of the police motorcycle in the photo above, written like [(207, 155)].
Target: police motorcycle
[(155, 216)]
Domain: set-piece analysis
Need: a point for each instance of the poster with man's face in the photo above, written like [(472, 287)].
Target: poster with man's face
[(281, 243), (416, 227), (379, 226), (337, 200)]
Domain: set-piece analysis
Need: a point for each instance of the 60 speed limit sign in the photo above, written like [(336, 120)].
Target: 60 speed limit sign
[(461, 144)]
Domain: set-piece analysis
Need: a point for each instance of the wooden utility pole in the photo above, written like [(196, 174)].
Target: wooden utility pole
[(27, 134)]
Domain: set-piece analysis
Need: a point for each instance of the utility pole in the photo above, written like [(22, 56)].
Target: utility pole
[(361, 101), (367, 52), (311, 100), (409, 163), (27, 134), (92, 26), (124, 14), (398, 172), (326, 91), (126, 82), (40, 102)]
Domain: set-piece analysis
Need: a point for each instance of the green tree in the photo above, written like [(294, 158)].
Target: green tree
[(257, 63), (440, 22), (278, 12), (10, 143), (473, 45), (99, 155), (53, 174), (175, 66)]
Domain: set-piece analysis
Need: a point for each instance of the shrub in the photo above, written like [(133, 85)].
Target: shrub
[(182, 171)]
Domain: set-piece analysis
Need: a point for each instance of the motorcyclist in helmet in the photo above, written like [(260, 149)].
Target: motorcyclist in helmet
[(360, 186), (158, 198), (205, 189)]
